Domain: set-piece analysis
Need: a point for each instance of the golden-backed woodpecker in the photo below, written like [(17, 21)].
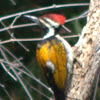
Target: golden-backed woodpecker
[(54, 54)]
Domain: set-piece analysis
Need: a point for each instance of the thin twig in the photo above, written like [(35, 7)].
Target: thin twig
[(32, 39), (45, 8), (24, 72), (13, 2), (16, 74), (29, 73), (14, 20), (17, 26), (36, 89), (9, 73), (8, 63), (12, 36), (34, 78), (33, 24), (3, 87), (66, 28), (75, 18)]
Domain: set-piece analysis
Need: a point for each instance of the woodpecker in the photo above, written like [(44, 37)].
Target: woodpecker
[(54, 54)]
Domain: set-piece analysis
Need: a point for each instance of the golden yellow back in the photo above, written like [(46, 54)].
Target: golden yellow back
[(53, 50)]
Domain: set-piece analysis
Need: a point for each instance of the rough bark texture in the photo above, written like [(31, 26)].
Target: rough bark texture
[(87, 53)]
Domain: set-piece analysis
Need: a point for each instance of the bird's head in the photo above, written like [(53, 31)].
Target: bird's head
[(50, 22)]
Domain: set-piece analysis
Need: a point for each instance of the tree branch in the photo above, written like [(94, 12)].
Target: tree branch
[(87, 53)]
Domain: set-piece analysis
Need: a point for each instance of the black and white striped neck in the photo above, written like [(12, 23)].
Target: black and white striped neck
[(50, 25), (50, 33)]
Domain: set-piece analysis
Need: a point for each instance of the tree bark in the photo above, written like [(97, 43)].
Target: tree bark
[(87, 53)]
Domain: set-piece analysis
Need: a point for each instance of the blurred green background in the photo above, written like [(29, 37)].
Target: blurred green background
[(29, 59)]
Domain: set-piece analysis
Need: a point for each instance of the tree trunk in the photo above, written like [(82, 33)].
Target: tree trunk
[(87, 53)]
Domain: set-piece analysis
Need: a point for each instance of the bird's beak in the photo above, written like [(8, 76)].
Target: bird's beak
[(33, 18)]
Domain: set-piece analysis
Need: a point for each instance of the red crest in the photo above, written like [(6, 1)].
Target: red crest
[(56, 17)]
